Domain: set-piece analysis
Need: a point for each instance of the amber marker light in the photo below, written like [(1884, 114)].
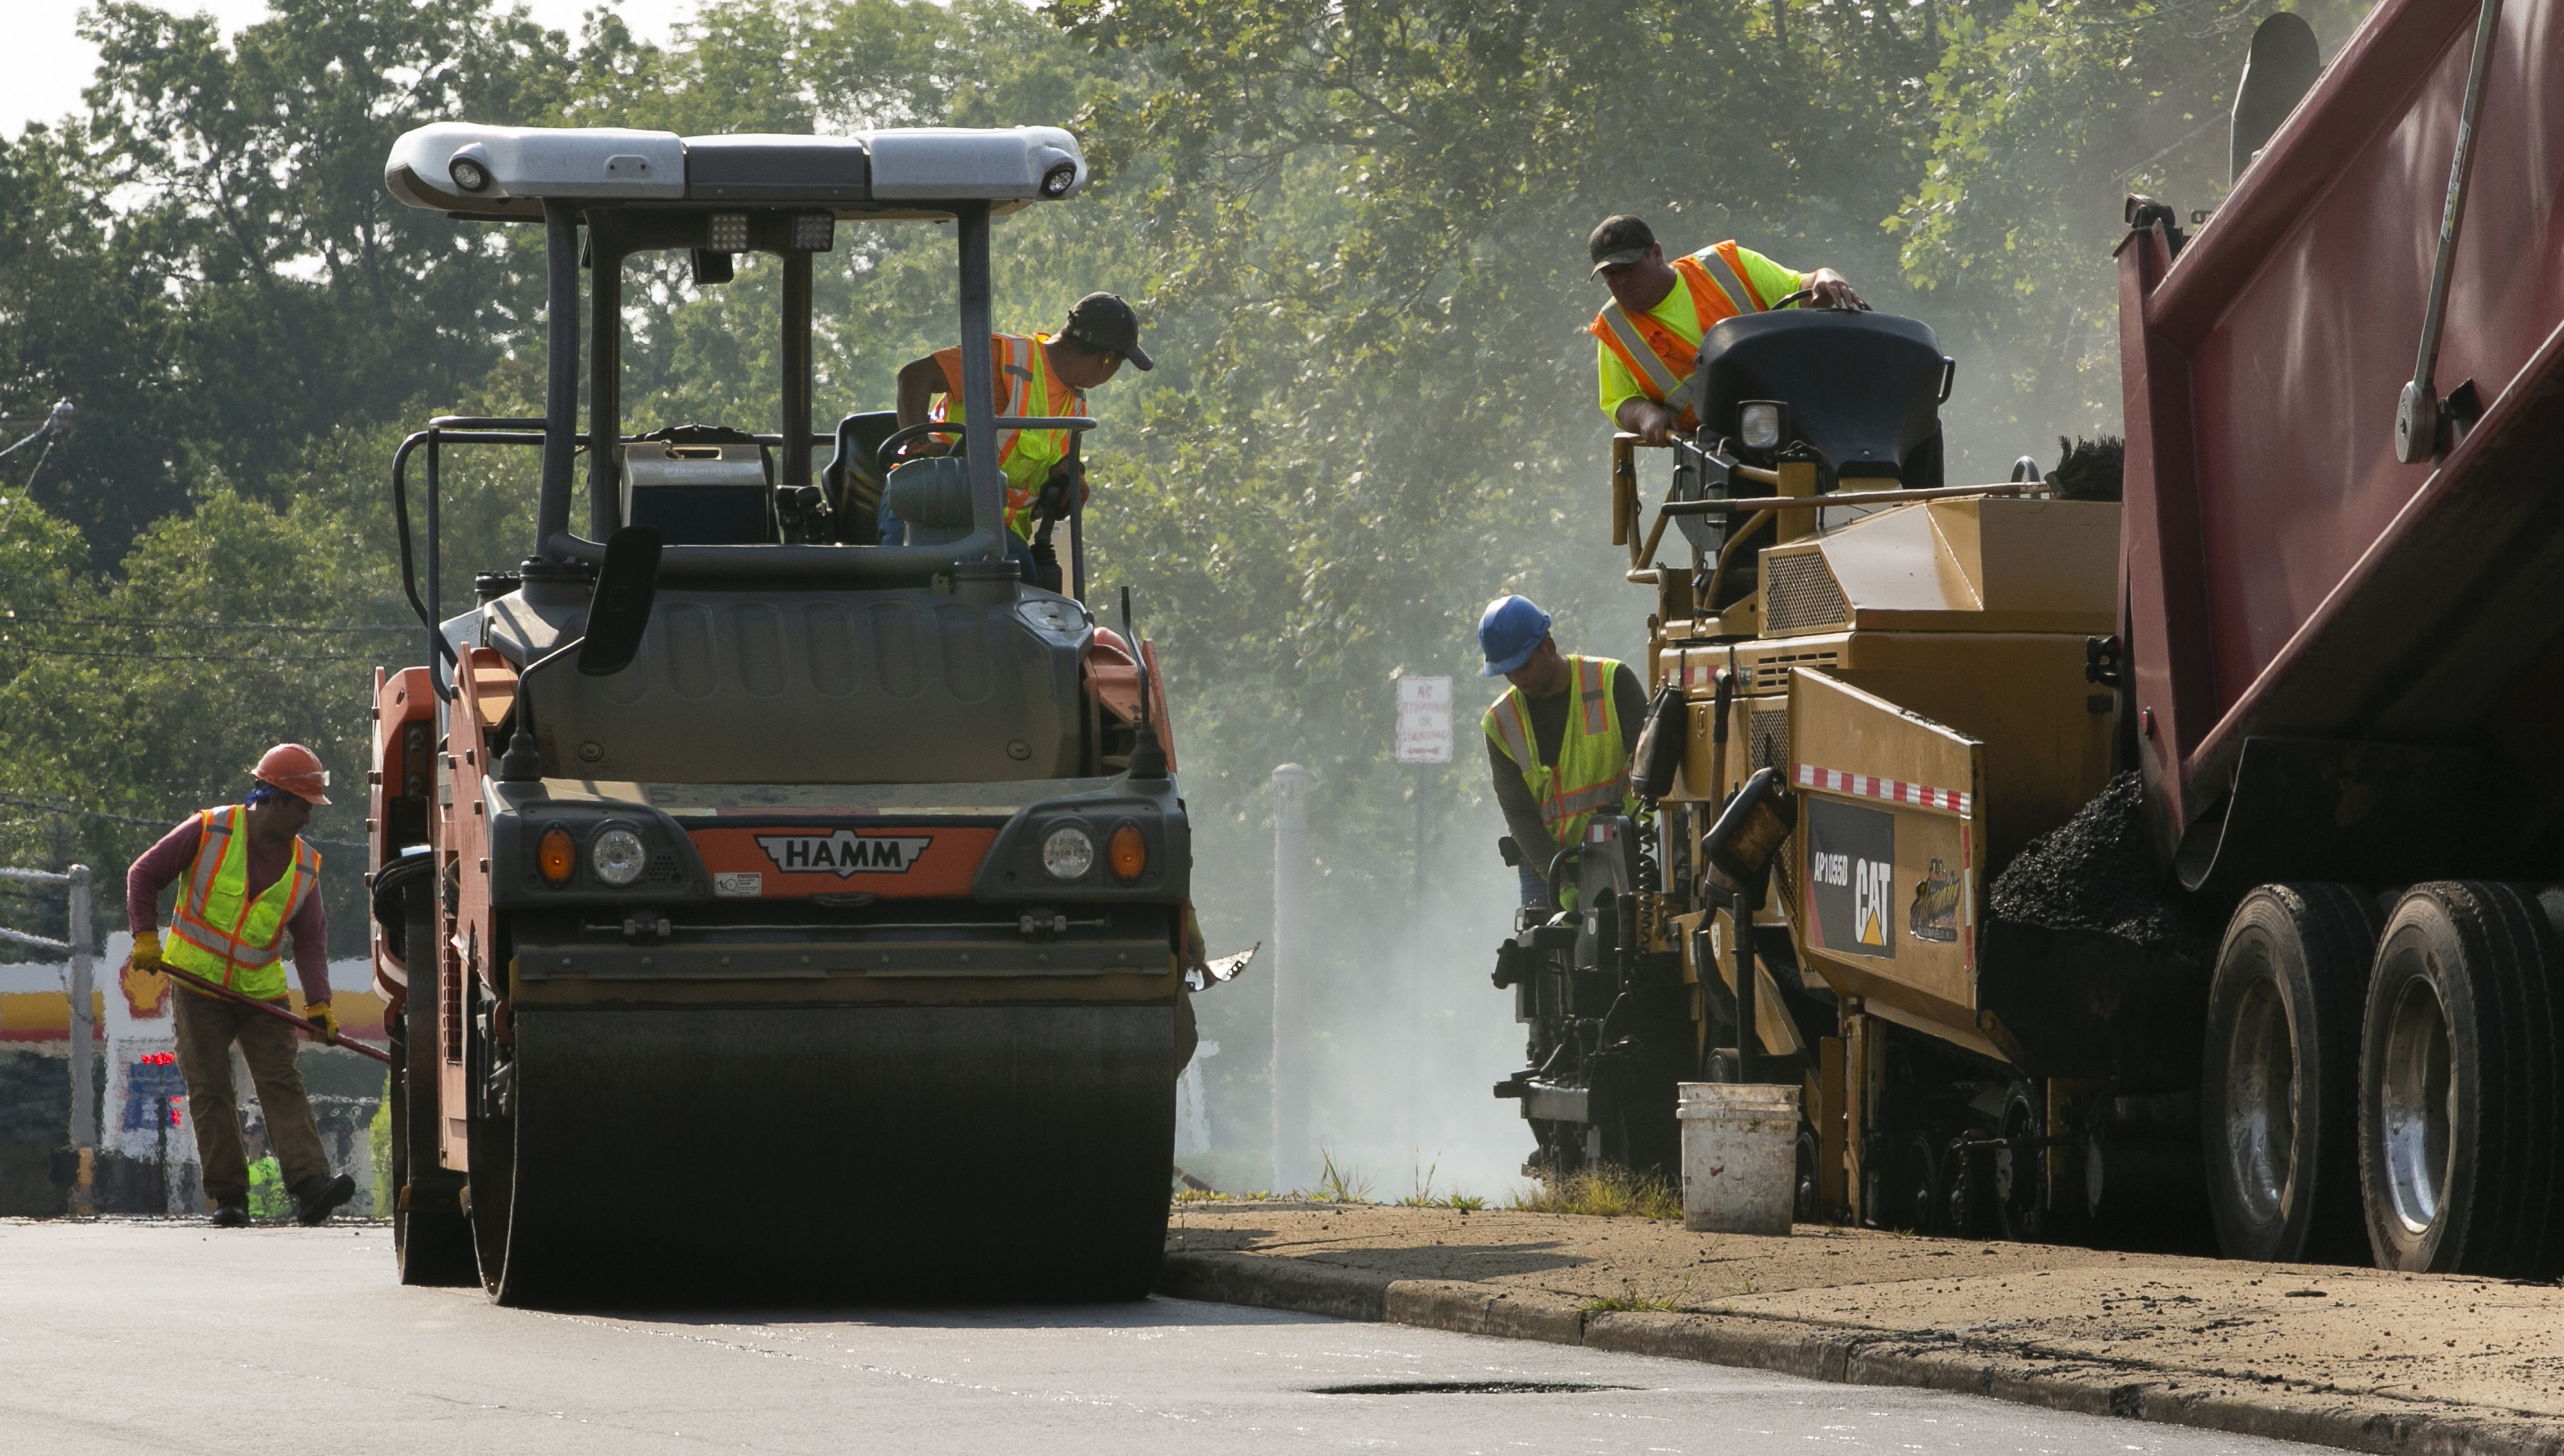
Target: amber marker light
[(1129, 853), (556, 855)]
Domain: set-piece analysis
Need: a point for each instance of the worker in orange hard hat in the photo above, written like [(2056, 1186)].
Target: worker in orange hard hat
[(246, 880)]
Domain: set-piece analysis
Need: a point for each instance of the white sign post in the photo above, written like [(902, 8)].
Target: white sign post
[(1423, 739), (1424, 720)]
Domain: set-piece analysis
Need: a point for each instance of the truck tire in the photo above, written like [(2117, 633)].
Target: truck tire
[(430, 1235), (2461, 1095), (2280, 1075)]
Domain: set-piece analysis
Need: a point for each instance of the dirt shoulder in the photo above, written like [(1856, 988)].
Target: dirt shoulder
[(2352, 1358)]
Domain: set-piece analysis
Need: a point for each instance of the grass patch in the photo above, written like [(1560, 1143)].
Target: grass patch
[(1629, 1299), (1425, 1197), (1604, 1191), (1340, 1184)]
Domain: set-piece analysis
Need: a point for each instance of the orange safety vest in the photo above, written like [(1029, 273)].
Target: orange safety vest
[(1022, 375), (1657, 357), (220, 931)]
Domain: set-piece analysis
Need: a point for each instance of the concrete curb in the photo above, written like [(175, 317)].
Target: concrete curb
[(1928, 1360)]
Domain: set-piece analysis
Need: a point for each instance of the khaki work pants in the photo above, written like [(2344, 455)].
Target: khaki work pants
[(206, 1030)]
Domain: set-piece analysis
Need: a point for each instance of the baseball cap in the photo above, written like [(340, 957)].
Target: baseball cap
[(1621, 239), (1105, 321)]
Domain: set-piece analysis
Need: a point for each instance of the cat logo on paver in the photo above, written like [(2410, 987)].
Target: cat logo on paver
[(1852, 877), (844, 853)]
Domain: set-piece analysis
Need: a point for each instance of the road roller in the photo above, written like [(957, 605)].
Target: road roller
[(768, 912)]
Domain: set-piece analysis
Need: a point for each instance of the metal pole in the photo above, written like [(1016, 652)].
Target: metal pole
[(1415, 993), (1291, 1169), (560, 370), (978, 379), (84, 942), (794, 468), (604, 374)]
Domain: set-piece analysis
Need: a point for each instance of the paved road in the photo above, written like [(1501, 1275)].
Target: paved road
[(176, 1337)]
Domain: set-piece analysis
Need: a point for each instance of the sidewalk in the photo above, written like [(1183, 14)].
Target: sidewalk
[(2350, 1358)]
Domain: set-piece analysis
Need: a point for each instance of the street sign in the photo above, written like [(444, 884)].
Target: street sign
[(1424, 720)]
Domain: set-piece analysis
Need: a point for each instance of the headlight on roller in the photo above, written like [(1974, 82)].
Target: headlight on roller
[(1757, 425), (1129, 853), (618, 857), (556, 855), (1068, 852)]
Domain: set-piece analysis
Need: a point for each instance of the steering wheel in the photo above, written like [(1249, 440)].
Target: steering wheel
[(888, 450), (1803, 294)]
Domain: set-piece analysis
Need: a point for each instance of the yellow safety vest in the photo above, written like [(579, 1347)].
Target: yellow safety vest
[(219, 931), (1026, 388), (1593, 772), (1657, 357)]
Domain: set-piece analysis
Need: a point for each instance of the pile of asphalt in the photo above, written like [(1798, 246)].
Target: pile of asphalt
[(2093, 873), (2089, 470)]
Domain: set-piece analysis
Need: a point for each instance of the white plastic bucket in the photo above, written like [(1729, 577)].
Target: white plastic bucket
[(1740, 1157)]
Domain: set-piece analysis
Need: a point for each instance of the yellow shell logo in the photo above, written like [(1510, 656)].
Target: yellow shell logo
[(146, 993)]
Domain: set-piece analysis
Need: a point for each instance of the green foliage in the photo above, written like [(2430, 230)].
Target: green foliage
[(1354, 230)]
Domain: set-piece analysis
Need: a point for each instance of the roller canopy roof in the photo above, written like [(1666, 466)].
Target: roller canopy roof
[(910, 170)]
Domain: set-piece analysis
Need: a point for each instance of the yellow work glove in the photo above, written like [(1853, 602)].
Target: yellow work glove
[(325, 1022), (146, 951)]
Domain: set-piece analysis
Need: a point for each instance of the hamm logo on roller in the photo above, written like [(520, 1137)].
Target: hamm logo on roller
[(843, 852)]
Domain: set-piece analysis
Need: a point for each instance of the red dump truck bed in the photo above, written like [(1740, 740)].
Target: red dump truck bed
[(2339, 663)]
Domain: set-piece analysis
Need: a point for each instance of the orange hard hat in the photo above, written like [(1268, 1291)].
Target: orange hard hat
[(295, 769)]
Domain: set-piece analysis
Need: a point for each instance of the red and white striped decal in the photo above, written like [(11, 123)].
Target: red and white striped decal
[(1862, 785)]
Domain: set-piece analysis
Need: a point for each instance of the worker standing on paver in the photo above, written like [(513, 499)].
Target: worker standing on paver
[(1559, 741), (1038, 378), (1648, 339), (249, 880)]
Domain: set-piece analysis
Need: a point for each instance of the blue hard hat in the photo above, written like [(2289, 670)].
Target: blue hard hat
[(1509, 632)]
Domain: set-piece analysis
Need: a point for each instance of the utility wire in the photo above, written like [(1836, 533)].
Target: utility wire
[(163, 825), (192, 624), (8, 645)]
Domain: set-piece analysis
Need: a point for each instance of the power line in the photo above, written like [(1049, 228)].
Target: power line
[(163, 825), (194, 624), (7, 646)]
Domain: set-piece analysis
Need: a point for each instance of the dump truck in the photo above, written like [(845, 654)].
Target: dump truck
[(767, 911), (2177, 853)]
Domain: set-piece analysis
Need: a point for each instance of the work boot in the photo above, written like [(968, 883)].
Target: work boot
[(231, 1213), (319, 1196)]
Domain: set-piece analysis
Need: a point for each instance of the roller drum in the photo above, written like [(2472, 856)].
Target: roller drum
[(831, 1152)]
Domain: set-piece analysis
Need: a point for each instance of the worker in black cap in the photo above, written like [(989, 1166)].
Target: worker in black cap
[(1648, 339), (1044, 376)]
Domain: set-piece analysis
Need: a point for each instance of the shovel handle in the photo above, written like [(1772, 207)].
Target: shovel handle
[(226, 994)]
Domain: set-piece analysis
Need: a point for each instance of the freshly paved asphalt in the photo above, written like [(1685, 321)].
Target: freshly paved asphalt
[(176, 1338)]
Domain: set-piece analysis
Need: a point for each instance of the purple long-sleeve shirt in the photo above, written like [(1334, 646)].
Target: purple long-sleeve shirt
[(164, 861)]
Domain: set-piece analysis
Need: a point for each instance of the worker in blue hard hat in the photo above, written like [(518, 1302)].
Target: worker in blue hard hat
[(1559, 741)]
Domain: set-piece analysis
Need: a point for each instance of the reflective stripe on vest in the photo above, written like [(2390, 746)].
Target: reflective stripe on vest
[(1593, 770), (1662, 360), (219, 931), (1024, 376)]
